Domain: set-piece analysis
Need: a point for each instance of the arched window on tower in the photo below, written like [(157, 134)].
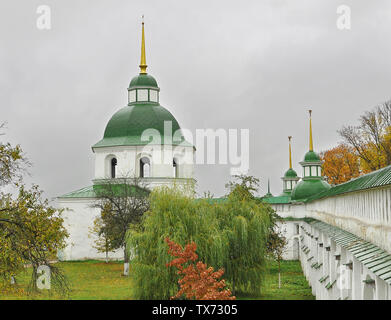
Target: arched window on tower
[(175, 168), (113, 165), (145, 167)]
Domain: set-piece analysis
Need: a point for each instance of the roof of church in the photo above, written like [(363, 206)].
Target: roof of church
[(378, 178), (87, 192), (308, 188), (282, 199), (143, 80), (290, 173), (127, 125), (311, 156)]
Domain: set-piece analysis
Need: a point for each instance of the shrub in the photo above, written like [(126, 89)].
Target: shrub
[(198, 282)]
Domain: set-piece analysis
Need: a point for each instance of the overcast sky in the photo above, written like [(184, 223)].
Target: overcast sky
[(220, 64)]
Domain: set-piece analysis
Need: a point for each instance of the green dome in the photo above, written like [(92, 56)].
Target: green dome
[(143, 80), (311, 156), (290, 173), (127, 125), (307, 188)]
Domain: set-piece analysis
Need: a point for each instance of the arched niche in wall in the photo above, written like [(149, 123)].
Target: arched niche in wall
[(145, 167)]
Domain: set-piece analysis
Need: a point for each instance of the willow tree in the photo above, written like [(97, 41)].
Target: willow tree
[(246, 222), (229, 234), (183, 219)]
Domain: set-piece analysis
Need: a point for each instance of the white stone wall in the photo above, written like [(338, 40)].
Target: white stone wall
[(367, 214), (78, 220), (290, 230), (345, 274)]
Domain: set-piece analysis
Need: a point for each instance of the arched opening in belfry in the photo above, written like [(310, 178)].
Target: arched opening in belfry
[(113, 164), (145, 167), (175, 168)]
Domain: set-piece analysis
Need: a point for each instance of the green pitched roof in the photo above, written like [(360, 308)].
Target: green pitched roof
[(290, 173), (373, 179), (87, 192), (311, 156), (127, 125), (307, 188), (98, 189), (277, 200), (373, 257), (143, 80)]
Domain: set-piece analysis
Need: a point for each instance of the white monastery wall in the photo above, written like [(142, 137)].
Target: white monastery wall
[(366, 213), (331, 270), (78, 220)]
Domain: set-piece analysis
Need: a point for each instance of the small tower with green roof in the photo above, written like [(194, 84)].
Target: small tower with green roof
[(143, 139), (312, 182), (290, 177)]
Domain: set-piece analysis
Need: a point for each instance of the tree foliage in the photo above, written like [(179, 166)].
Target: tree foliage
[(340, 164), (31, 231), (198, 281), (104, 241), (12, 162), (122, 203), (371, 139), (277, 245), (230, 234)]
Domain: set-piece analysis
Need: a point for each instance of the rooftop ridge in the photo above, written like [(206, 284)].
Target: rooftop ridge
[(374, 179)]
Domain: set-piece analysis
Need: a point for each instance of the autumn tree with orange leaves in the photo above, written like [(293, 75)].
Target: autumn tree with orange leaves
[(198, 282), (340, 164), (371, 138)]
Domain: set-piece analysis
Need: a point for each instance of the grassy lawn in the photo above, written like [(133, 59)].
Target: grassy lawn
[(98, 280), (294, 286)]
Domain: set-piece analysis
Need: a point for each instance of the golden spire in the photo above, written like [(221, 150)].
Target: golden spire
[(143, 63), (311, 142), (290, 153)]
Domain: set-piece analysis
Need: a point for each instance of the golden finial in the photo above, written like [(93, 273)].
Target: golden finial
[(290, 153), (143, 63), (311, 142)]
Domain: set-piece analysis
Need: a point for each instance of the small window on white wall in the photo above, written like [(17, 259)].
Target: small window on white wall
[(306, 171), (153, 95), (313, 171), (132, 96), (142, 95)]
